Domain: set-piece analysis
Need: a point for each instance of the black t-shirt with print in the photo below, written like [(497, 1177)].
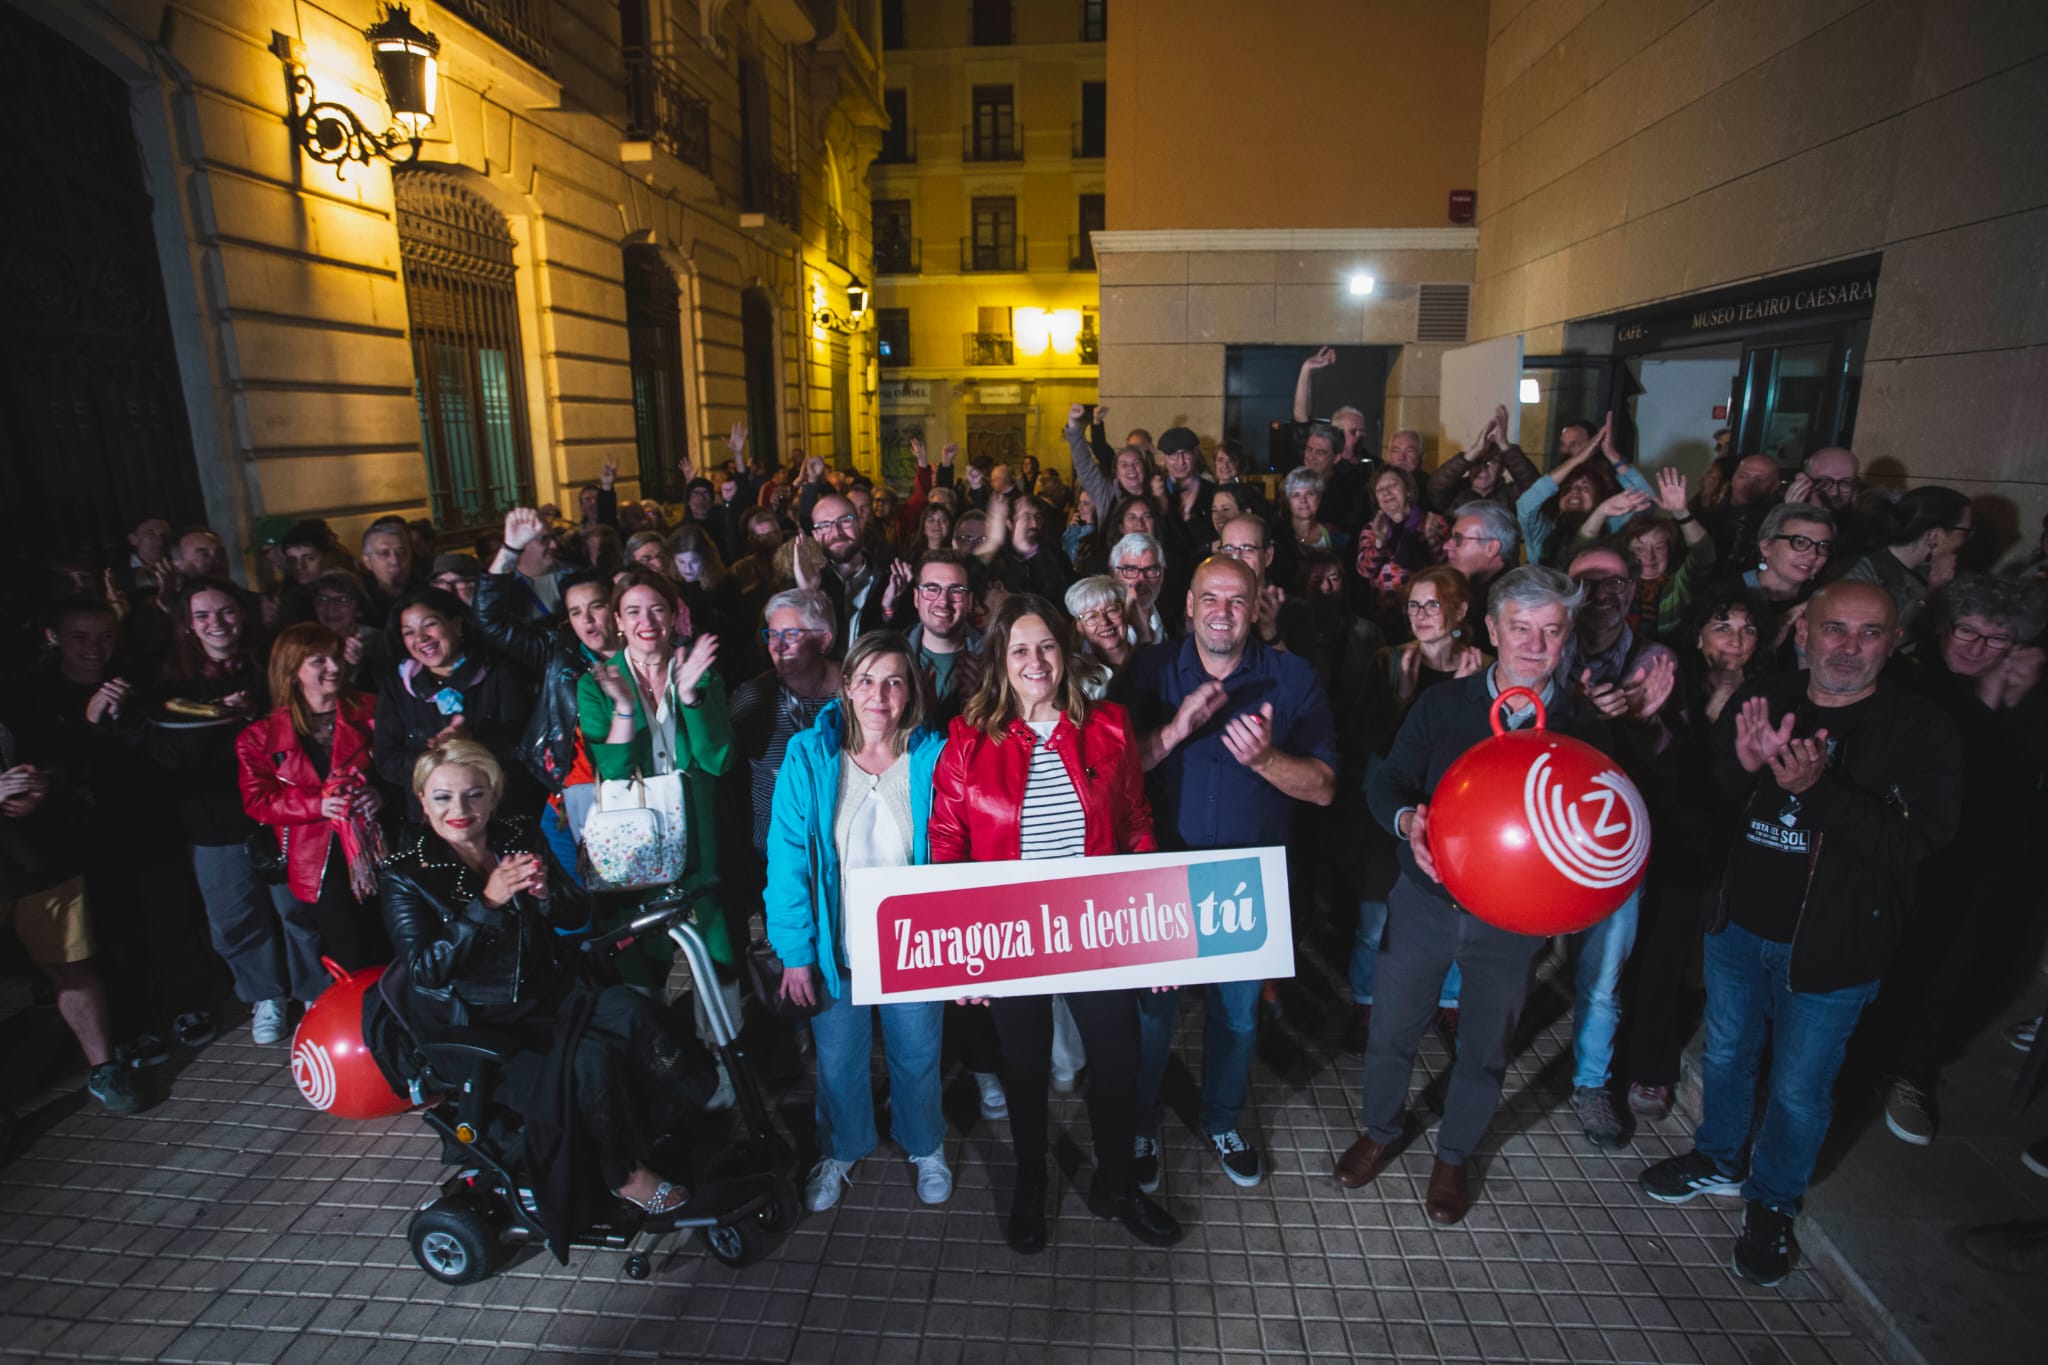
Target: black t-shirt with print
[(1776, 844)]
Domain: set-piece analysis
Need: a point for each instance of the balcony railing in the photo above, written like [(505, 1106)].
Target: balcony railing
[(994, 255), (1080, 252), (1089, 347), (1089, 140), (899, 148), (772, 193), (899, 255), (1003, 146), (662, 108), (990, 348), (835, 236), (518, 25)]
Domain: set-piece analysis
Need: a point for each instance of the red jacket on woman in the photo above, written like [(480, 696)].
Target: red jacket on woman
[(978, 790), (282, 789)]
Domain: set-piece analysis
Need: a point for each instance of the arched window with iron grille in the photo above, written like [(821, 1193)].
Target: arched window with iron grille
[(456, 251)]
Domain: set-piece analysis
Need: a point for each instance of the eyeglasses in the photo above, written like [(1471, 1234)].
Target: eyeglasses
[(1801, 544), (1848, 485), (1613, 584), (845, 523), (1966, 635), (932, 592), (1460, 538), (1132, 572), (1964, 531), (789, 637), (1242, 551), (1425, 606), (1101, 616), (961, 538)]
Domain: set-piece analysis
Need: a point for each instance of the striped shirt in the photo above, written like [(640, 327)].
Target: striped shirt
[(1051, 825)]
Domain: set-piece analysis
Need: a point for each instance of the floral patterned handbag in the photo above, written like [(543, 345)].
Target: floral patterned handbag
[(635, 836)]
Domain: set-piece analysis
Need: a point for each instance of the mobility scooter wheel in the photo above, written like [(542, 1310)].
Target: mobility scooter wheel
[(736, 1245), (454, 1243)]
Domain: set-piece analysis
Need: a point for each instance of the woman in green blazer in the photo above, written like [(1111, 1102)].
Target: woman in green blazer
[(652, 708)]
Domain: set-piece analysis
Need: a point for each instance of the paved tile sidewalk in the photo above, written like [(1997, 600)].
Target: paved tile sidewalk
[(231, 1223)]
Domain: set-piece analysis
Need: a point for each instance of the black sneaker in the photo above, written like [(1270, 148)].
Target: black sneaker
[(194, 1028), (1240, 1161), (1764, 1251), (110, 1085), (1145, 1165), (1677, 1179), (146, 1048)]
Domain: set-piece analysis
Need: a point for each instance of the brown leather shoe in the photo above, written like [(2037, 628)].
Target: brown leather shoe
[(1449, 1199), (1361, 1161)]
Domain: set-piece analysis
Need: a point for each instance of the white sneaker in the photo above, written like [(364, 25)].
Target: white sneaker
[(268, 1025), (994, 1103), (828, 1181), (934, 1178), (1063, 1082), (723, 1097)]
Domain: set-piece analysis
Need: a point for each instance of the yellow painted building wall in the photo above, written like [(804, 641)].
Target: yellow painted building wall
[(1294, 114), (938, 68)]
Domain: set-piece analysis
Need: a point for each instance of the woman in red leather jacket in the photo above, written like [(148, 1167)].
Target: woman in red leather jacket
[(1033, 769), (306, 774)]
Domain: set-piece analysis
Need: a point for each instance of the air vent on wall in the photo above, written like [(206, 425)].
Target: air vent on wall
[(1441, 311)]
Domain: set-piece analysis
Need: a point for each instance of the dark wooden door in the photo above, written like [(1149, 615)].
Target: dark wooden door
[(93, 433)]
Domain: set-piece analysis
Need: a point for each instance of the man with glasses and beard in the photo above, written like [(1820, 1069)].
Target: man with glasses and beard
[(1847, 782), (861, 585)]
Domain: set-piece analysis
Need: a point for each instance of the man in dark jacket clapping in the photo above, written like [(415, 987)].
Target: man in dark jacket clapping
[(1847, 783)]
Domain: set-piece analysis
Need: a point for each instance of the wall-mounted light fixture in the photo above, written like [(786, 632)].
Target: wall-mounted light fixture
[(856, 308), (408, 63), (1361, 284), (1036, 330), (1532, 392)]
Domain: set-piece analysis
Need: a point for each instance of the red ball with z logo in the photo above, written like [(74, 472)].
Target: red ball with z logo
[(1535, 832)]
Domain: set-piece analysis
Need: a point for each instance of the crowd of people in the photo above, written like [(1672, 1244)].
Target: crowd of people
[(213, 782)]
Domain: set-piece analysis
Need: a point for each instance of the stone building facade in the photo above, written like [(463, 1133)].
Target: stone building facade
[(627, 226)]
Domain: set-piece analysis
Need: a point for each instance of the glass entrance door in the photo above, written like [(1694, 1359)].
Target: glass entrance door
[(1798, 394)]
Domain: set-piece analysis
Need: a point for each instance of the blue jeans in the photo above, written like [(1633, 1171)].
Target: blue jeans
[(1365, 954), (1749, 996), (1230, 1031), (845, 1036), (1596, 998)]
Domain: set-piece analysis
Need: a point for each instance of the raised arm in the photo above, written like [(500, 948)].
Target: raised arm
[(1304, 382)]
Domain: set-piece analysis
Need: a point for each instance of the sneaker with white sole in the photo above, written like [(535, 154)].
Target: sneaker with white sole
[(828, 1181), (2022, 1034), (1679, 1178), (1145, 1166), (934, 1178), (1765, 1251), (109, 1083), (1909, 1113), (1239, 1159), (994, 1103), (269, 1024)]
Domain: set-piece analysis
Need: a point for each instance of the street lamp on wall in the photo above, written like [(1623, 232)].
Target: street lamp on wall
[(856, 308), (408, 64)]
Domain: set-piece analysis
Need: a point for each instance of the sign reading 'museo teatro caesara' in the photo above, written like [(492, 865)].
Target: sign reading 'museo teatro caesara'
[(1071, 924)]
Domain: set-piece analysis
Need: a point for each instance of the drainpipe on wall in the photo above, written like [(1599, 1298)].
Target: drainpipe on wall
[(796, 253)]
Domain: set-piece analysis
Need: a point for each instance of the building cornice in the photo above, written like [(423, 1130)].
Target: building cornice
[(1290, 239)]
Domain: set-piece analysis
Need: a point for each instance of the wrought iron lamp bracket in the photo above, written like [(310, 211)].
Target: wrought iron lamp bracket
[(333, 135)]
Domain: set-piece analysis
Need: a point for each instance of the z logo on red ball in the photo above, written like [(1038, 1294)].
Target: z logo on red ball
[(1609, 852)]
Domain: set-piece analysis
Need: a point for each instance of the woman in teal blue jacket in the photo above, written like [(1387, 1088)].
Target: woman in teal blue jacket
[(855, 791)]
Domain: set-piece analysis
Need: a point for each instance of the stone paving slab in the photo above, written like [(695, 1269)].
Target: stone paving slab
[(232, 1224)]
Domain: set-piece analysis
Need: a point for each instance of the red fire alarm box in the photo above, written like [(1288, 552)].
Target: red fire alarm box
[(1464, 205)]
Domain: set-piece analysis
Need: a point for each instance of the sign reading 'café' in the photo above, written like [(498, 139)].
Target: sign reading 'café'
[(1081, 924)]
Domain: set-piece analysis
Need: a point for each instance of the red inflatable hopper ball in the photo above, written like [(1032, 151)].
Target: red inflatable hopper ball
[(1535, 832), (330, 1063)]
